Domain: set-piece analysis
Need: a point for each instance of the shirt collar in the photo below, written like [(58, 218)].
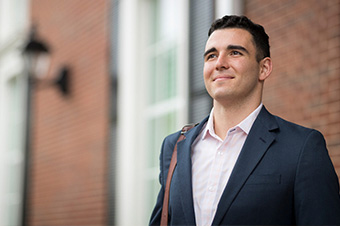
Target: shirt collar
[(245, 125)]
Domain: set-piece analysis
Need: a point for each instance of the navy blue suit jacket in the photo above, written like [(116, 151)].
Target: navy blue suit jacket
[(283, 176)]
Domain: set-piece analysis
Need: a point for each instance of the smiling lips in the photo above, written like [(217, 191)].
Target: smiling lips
[(222, 78)]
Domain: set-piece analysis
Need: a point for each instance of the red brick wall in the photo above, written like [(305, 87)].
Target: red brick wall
[(305, 84), (68, 174)]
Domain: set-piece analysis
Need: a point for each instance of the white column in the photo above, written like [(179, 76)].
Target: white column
[(12, 133), (128, 120), (228, 7)]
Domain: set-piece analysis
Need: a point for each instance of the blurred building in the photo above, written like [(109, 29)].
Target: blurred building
[(136, 76)]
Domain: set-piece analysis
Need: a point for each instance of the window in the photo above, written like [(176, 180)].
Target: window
[(166, 109)]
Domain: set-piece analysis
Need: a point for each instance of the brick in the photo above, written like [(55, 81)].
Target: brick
[(68, 184), (304, 85)]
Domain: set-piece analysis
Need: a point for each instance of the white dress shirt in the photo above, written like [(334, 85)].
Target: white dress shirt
[(213, 160)]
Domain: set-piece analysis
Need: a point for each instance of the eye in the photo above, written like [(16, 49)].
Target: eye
[(235, 53), (211, 56)]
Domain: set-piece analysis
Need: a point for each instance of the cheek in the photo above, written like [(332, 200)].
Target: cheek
[(207, 70), (248, 71), (241, 66)]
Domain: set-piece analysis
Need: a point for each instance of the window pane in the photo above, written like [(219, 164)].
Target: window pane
[(152, 188), (171, 66), (164, 20), (154, 21), (159, 128), (163, 76)]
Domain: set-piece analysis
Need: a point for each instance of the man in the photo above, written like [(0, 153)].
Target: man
[(242, 165)]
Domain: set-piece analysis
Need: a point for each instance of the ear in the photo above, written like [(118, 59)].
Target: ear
[(265, 68)]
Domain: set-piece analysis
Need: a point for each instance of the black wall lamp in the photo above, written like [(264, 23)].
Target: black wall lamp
[(37, 59), (36, 56)]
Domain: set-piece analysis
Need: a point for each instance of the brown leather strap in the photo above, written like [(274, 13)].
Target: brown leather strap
[(173, 162)]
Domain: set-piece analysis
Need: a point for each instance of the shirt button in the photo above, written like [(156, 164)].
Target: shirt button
[(211, 188), (220, 153)]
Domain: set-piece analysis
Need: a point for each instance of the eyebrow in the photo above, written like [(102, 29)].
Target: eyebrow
[(230, 47), (238, 47), (213, 49)]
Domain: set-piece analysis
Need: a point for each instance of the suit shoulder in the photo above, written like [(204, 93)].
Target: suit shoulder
[(293, 127), (293, 133), (169, 145), (170, 140), (282, 126)]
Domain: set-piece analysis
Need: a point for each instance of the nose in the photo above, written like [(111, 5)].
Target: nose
[(222, 62)]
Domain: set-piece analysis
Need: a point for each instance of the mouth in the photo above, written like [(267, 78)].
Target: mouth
[(223, 78)]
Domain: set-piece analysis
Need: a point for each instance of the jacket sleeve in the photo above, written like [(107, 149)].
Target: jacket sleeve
[(316, 191), (164, 160)]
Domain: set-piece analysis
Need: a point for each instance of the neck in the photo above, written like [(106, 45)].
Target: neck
[(228, 116)]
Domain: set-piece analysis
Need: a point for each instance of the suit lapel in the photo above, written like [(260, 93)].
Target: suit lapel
[(257, 143), (184, 170)]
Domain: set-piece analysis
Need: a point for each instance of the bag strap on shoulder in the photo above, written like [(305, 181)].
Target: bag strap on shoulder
[(173, 163)]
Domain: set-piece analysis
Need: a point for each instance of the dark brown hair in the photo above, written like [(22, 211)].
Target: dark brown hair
[(260, 37)]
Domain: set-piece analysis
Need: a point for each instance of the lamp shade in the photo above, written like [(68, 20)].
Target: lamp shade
[(37, 57)]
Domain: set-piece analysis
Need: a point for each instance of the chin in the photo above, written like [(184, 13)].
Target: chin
[(223, 96)]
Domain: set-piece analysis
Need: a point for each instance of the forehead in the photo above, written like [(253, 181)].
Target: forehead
[(230, 36)]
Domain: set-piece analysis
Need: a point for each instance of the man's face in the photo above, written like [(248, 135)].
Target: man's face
[(231, 71)]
